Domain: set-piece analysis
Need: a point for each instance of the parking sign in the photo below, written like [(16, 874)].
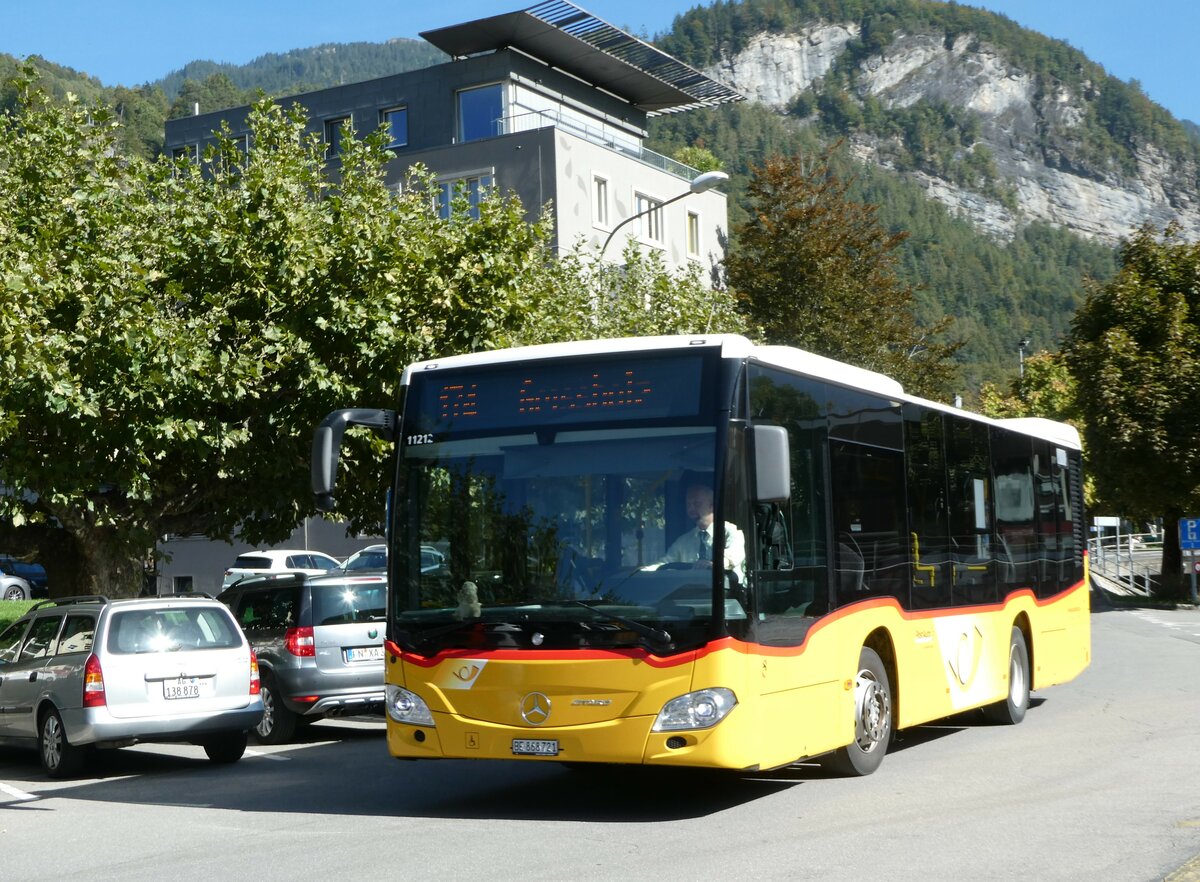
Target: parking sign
[(1189, 534)]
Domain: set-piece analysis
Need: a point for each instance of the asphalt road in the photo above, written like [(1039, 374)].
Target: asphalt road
[(1101, 781)]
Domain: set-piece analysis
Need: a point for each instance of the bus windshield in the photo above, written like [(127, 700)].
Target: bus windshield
[(566, 540)]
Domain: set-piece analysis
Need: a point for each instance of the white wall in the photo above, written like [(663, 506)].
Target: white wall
[(578, 162)]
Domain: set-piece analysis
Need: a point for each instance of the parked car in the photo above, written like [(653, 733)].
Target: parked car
[(254, 563), (78, 672), (32, 574), (373, 557), (14, 588), (319, 642)]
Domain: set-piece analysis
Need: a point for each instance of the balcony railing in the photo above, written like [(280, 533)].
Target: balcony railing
[(623, 144)]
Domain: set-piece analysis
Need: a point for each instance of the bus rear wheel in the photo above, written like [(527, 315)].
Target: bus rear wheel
[(1012, 709), (872, 718)]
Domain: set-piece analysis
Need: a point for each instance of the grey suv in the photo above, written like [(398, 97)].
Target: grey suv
[(86, 671), (319, 641)]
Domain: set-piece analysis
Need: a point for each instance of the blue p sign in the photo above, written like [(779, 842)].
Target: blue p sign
[(1189, 534)]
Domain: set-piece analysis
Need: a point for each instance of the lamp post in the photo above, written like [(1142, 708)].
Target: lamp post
[(1021, 354), (699, 184)]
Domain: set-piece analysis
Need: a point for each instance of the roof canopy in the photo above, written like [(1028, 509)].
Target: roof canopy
[(566, 37)]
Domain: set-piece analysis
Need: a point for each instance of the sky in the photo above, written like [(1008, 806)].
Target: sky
[(130, 42)]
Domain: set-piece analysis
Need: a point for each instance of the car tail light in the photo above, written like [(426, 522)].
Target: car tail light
[(255, 682), (299, 641), (93, 683)]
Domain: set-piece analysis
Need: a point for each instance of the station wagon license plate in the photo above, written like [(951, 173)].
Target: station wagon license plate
[(364, 653), (187, 687), (534, 747)]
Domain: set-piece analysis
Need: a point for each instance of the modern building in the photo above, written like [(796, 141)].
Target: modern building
[(549, 103)]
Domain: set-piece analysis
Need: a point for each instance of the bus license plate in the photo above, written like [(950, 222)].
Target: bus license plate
[(534, 747), (184, 687)]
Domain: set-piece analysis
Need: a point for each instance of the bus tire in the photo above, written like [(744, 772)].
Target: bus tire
[(1012, 709), (872, 719)]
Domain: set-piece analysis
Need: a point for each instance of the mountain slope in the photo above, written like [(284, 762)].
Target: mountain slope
[(998, 122)]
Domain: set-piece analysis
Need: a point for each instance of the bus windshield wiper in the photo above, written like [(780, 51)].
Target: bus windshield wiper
[(657, 635)]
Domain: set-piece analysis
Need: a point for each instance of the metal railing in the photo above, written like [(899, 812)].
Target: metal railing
[(1122, 559), (540, 119)]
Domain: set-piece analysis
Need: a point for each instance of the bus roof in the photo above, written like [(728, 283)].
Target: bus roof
[(735, 346)]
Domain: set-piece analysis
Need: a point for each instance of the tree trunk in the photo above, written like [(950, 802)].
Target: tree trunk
[(93, 559), (1171, 584)]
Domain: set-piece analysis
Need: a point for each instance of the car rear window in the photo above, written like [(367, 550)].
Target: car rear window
[(372, 560), (252, 562), (172, 630), (340, 603)]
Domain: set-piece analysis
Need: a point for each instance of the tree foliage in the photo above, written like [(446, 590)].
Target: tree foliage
[(171, 332), (815, 269), (1046, 389), (1134, 352)]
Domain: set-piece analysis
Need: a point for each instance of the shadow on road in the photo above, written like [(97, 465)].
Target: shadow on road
[(345, 770), (354, 775)]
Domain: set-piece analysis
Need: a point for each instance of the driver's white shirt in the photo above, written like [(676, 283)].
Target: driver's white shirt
[(686, 548)]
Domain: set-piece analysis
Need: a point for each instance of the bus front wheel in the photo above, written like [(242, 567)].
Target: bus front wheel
[(1012, 709), (872, 718)]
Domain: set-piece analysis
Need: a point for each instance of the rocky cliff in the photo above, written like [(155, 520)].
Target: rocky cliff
[(1031, 125)]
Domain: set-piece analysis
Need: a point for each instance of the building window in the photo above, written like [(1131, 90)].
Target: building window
[(600, 201), (336, 131), (650, 224), (693, 234), (188, 153), (395, 120), (473, 187), (480, 112)]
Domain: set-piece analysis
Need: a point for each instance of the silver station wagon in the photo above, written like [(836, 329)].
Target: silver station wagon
[(88, 672)]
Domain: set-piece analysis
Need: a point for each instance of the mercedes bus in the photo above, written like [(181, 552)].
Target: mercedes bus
[(871, 560)]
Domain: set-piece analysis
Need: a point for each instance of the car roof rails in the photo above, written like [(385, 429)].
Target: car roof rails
[(63, 601), (202, 595)]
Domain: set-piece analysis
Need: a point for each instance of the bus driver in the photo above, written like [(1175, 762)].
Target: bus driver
[(695, 546)]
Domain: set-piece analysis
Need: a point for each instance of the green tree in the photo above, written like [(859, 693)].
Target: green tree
[(814, 269), (1046, 389), (215, 92), (1134, 351), (581, 298), (699, 157), (170, 332)]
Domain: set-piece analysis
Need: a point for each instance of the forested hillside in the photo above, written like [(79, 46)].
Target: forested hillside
[(999, 292)]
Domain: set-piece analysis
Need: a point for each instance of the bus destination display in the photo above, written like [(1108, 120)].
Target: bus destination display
[(550, 394)]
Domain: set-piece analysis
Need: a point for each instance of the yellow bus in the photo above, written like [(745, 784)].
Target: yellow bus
[(697, 551)]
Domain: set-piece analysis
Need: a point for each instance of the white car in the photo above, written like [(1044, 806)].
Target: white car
[(254, 563)]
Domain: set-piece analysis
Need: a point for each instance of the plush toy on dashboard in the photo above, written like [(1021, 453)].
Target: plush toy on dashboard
[(468, 602)]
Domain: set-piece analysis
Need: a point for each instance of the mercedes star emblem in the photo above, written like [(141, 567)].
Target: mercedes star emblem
[(535, 708)]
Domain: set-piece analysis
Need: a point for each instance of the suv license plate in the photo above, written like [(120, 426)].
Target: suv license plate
[(364, 653), (187, 687), (534, 747)]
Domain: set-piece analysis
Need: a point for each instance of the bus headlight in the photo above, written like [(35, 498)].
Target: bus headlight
[(407, 707), (696, 710)]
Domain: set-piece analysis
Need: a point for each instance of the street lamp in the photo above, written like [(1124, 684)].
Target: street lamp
[(1021, 354), (699, 184)]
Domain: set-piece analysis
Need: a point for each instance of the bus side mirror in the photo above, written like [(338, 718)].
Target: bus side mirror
[(772, 464), (327, 446)]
